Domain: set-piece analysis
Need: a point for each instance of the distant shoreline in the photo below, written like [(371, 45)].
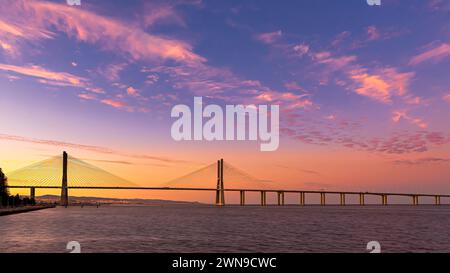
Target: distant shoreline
[(10, 211), (102, 201)]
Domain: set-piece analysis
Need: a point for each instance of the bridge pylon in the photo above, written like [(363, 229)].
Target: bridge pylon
[(220, 193), (64, 190)]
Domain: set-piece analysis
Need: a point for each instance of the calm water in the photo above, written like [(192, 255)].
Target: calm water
[(229, 229)]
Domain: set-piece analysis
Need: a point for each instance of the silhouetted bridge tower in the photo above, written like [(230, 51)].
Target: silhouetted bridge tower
[(64, 190), (220, 193), (77, 174)]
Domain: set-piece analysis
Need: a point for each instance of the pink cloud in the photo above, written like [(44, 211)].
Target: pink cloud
[(112, 71), (202, 79), (301, 49), (435, 53), (333, 62), (269, 37), (86, 26), (11, 34), (414, 100), (161, 14), (46, 76), (340, 38), (91, 148), (439, 5), (398, 115), (292, 86), (373, 33), (420, 161), (447, 97), (87, 96), (398, 143)]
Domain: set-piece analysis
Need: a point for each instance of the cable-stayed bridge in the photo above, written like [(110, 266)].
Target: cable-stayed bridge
[(67, 172)]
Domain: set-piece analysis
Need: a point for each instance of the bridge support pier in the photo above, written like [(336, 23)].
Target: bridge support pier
[(280, 198), (437, 200), (322, 199), (342, 199), (242, 198), (263, 198), (32, 193), (361, 199), (384, 199), (302, 199), (415, 200)]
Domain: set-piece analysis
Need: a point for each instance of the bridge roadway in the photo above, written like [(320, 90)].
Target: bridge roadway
[(280, 193)]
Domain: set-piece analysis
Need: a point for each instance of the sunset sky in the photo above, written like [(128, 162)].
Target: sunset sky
[(363, 90)]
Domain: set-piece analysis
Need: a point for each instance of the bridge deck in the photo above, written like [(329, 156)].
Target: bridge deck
[(229, 190)]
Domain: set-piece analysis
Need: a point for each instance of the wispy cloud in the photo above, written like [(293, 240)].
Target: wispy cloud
[(269, 37), (86, 96), (50, 77), (166, 13), (91, 148), (373, 33), (399, 115), (421, 161), (12, 33), (111, 72), (433, 53), (447, 97), (114, 103), (381, 85), (132, 91), (88, 27)]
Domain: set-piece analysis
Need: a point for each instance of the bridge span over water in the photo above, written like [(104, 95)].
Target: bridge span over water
[(31, 178)]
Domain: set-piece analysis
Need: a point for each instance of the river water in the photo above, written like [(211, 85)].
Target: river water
[(228, 229)]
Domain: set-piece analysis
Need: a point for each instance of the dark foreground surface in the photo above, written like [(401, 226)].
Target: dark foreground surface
[(9, 211), (229, 229)]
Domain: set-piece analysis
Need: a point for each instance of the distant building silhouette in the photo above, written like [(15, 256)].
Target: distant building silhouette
[(4, 193)]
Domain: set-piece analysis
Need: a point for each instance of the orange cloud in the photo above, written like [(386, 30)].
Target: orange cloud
[(10, 29), (436, 54), (287, 99), (382, 85), (132, 91), (114, 103), (8, 48), (11, 33)]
